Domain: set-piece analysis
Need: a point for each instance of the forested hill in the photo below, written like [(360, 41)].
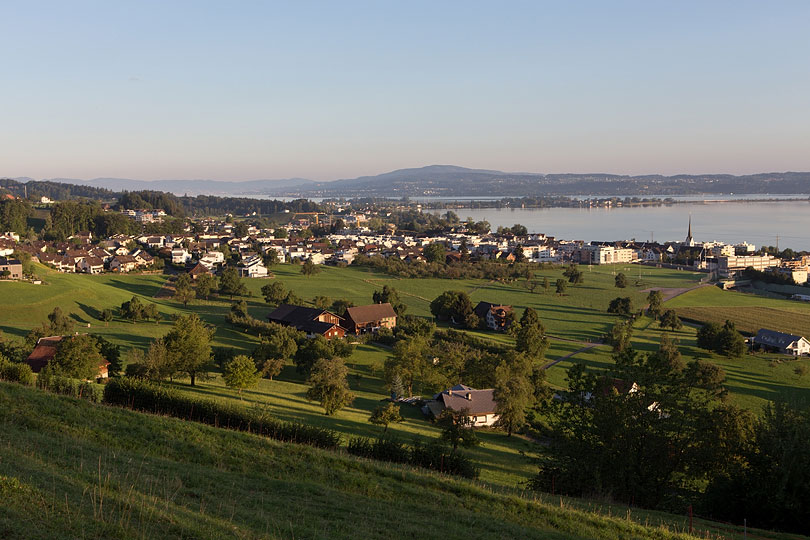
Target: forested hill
[(451, 181), (57, 191)]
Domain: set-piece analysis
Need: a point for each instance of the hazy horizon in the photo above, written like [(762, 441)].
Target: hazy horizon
[(323, 91)]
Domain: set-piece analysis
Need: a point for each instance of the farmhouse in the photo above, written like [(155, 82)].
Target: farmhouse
[(45, 351), (477, 405), (313, 321), (495, 316), (365, 319), (772, 340)]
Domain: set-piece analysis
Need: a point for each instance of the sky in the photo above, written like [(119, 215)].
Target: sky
[(244, 90)]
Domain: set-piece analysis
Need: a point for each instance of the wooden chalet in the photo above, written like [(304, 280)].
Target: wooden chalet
[(312, 321)]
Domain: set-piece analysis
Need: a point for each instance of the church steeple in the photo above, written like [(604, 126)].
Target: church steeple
[(689, 240)]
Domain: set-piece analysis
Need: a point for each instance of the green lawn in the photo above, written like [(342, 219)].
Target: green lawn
[(79, 470)]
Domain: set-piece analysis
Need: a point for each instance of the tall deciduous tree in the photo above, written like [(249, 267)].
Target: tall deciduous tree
[(206, 284), (654, 299), (561, 286), (274, 293), (385, 415), (231, 284), (621, 280), (78, 357), (183, 289), (309, 268), (188, 346), (513, 392), (457, 428), (240, 373), (328, 385), (530, 338), (390, 295)]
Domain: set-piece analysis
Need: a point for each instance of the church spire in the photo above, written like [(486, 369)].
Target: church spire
[(689, 240)]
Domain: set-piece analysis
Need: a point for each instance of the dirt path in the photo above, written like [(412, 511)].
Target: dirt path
[(567, 356)]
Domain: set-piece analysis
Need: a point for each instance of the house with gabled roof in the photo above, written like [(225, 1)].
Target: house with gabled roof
[(478, 405), (495, 316), (312, 321), (781, 342), (45, 351), (370, 318)]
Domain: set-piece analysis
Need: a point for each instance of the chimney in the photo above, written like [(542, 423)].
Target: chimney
[(450, 392), (469, 396)]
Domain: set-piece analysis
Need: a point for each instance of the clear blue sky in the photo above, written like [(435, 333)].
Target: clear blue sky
[(324, 90)]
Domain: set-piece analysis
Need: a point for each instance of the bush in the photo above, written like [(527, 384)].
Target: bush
[(15, 372), (149, 397), (432, 455), (68, 386)]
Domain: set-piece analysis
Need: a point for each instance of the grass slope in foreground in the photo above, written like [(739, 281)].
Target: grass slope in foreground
[(80, 470)]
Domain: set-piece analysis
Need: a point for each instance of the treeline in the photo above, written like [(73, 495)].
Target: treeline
[(657, 431), (70, 217), (210, 205), (465, 269), (56, 191)]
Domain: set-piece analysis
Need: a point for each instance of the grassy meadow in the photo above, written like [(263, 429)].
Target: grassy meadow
[(574, 320), (82, 470)]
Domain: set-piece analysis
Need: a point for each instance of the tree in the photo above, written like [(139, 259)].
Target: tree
[(240, 229), (621, 280), (309, 352), (663, 436), (60, 324), (654, 299), (309, 268), (620, 335), (561, 286), (707, 336), (270, 257), (274, 293), (106, 316), (513, 392), (669, 319), (730, 343), (239, 310), (390, 295), (547, 285), (340, 306), (329, 386), (621, 306), (188, 346), (454, 306), (78, 357), (132, 309), (457, 428), (434, 252), (386, 414), (275, 349), (231, 284), (206, 284), (519, 255), (531, 335), (574, 274), (183, 289), (322, 302), (240, 373), (409, 362)]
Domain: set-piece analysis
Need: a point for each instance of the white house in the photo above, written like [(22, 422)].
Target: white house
[(180, 256), (782, 342), (253, 267), (478, 405)]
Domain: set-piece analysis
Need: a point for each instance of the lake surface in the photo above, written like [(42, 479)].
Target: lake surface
[(757, 223)]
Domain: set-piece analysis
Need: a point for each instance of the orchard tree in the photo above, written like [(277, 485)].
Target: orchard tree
[(621, 306), (531, 337), (188, 346), (385, 415), (274, 293), (561, 286), (390, 295), (231, 284), (328, 385), (78, 357), (654, 299), (309, 268), (669, 319), (183, 289), (106, 316), (206, 284), (434, 252), (457, 428), (240, 373), (621, 281), (132, 309)]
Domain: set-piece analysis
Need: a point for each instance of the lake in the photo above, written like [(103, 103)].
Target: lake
[(757, 223)]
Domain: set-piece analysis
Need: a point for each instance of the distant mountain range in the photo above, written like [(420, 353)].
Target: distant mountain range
[(453, 181)]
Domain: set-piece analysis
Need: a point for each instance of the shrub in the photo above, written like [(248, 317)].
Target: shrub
[(16, 372), (149, 397), (432, 455), (68, 386)]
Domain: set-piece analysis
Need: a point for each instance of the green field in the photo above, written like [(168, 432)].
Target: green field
[(748, 312), (573, 320), (79, 470)]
